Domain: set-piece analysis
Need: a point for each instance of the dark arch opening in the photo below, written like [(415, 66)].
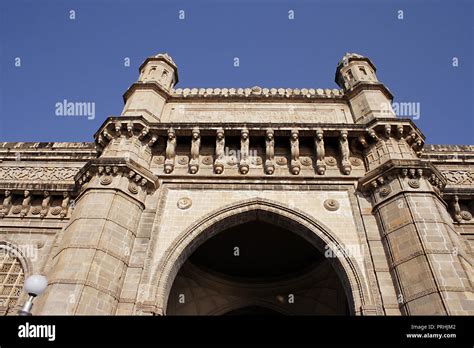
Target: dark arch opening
[(252, 263)]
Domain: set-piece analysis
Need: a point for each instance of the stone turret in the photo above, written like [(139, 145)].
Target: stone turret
[(147, 97), (367, 96)]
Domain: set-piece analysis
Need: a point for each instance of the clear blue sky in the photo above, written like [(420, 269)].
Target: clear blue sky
[(83, 59)]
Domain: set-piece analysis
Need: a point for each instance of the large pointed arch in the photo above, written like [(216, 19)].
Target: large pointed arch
[(231, 215)]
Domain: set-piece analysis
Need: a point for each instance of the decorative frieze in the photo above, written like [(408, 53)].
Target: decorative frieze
[(34, 174), (257, 92), (27, 208), (459, 177)]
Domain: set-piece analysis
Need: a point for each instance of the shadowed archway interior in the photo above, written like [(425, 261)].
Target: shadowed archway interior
[(257, 268)]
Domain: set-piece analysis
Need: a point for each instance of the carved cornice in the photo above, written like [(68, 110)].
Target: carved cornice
[(107, 168), (411, 169), (257, 92)]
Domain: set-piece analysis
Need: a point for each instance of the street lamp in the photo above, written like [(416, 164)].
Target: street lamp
[(35, 285)]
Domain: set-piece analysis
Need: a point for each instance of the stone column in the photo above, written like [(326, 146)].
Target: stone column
[(426, 257), (91, 259)]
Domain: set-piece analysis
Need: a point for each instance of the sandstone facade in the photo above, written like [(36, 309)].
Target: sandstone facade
[(113, 223)]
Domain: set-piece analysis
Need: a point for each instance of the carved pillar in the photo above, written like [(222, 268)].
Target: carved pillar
[(344, 148), (195, 145), (295, 165), (220, 146), (244, 151), (427, 259), (170, 151), (269, 152), (320, 152)]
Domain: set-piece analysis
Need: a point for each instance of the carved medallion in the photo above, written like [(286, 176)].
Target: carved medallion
[(330, 161), (414, 183), (16, 209), (466, 215), (184, 203), (35, 210), (133, 188), (356, 162), (55, 210), (183, 160), (232, 161), (331, 204), (385, 191), (159, 159), (106, 180), (281, 161), (306, 161), (207, 160), (257, 161)]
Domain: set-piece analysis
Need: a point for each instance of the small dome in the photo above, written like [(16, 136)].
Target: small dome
[(348, 56)]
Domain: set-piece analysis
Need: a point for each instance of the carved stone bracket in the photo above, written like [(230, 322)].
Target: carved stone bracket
[(109, 168), (411, 171)]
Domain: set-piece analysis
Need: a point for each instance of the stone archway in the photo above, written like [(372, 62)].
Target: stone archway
[(294, 220)]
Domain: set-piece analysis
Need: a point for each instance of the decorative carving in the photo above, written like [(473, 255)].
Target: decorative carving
[(331, 161), (466, 215), (320, 152), (35, 210), (55, 211), (457, 209), (207, 160), (295, 165), (385, 191), (356, 162), (459, 177), (170, 151), (183, 160), (37, 174), (45, 204), (400, 131), (258, 92), (306, 161), (7, 204), (269, 151), (220, 146), (106, 180), (25, 205), (144, 133), (387, 130), (344, 147), (414, 183), (195, 146), (331, 204), (184, 203), (65, 205), (244, 151), (159, 160), (152, 141), (281, 161), (133, 187)]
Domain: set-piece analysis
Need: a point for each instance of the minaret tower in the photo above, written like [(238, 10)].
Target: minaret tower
[(368, 97), (147, 97)]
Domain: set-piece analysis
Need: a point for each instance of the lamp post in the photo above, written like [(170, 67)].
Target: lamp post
[(35, 285)]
